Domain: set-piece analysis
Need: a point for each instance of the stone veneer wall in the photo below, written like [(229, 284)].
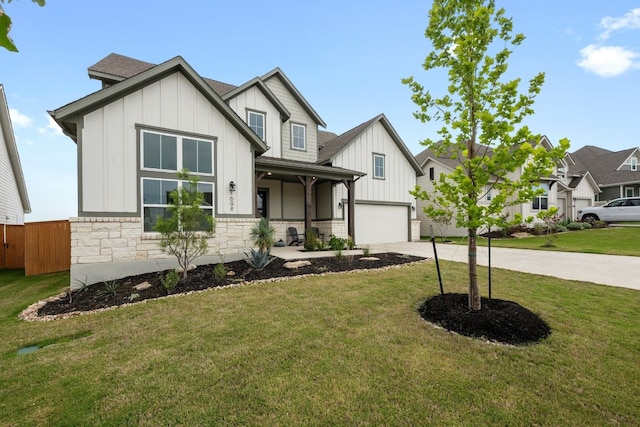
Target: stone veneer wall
[(107, 248), (415, 230)]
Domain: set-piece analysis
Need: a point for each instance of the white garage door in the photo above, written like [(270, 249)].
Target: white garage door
[(381, 223)]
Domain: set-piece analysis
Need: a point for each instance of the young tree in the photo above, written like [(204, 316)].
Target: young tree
[(482, 118), (5, 27), (186, 230)]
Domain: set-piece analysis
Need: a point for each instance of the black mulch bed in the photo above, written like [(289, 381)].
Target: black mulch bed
[(499, 321), (96, 296)]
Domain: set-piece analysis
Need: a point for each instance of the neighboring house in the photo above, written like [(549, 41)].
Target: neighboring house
[(14, 200), (617, 173), (256, 148), (433, 166), (576, 188)]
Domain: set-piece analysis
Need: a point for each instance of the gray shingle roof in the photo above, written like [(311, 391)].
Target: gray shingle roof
[(115, 67), (337, 144), (603, 165), (447, 160)]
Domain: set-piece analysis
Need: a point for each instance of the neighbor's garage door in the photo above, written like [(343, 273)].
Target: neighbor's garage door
[(381, 223)]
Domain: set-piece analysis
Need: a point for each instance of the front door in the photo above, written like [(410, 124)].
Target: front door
[(262, 203)]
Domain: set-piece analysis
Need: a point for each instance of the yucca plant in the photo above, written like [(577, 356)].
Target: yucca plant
[(259, 259), (263, 235)]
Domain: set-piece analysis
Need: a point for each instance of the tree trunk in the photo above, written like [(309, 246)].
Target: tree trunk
[(474, 291)]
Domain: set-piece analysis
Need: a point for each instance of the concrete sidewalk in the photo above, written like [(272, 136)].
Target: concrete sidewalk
[(612, 270)]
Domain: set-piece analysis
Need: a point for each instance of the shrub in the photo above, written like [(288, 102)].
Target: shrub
[(170, 281), (575, 225), (263, 235), (561, 228), (259, 259), (598, 224), (586, 226), (350, 243), (312, 242), (366, 251), (337, 243), (219, 273), (111, 287)]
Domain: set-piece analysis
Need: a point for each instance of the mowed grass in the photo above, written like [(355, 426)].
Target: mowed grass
[(345, 349), (608, 241)]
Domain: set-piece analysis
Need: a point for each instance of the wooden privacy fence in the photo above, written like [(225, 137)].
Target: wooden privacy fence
[(38, 247)]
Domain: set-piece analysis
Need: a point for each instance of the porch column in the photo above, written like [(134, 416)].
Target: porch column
[(308, 182), (351, 204)]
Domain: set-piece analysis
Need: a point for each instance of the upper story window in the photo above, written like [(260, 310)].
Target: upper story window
[(489, 195), (378, 166), (256, 123), (432, 173), (541, 202), (634, 164), (298, 137), (173, 153)]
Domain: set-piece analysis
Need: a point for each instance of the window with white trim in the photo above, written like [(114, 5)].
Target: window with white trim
[(298, 137), (378, 166), (634, 164), (628, 191), (255, 121), (156, 199), (489, 195), (541, 202), (172, 153)]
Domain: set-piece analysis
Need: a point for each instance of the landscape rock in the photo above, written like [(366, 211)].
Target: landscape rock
[(293, 265), (369, 258), (142, 286)]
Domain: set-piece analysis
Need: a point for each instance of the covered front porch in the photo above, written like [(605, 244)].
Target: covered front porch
[(299, 194)]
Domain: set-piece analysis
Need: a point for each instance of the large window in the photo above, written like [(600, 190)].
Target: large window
[(378, 166), (173, 153), (156, 197), (541, 202), (298, 137), (256, 123)]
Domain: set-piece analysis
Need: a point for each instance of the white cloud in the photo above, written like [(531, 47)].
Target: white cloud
[(610, 24), (608, 61), (18, 119), (52, 128)]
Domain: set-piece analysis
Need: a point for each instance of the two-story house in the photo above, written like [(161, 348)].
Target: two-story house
[(256, 148)]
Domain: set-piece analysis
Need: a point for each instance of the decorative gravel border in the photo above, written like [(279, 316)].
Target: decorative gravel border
[(30, 314)]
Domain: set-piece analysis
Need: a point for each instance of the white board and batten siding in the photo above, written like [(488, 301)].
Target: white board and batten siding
[(298, 116), (109, 141), (11, 211), (383, 206), (253, 99)]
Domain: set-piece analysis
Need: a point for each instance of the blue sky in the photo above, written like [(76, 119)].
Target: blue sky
[(346, 57)]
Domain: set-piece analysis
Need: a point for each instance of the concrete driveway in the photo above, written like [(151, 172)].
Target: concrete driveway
[(612, 270)]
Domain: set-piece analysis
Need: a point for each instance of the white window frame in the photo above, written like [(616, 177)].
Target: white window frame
[(627, 190), (293, 137), (179, 183), (264, 123), (540, 198), (488, 196), (377, 175), (179, 150), (634, 164)]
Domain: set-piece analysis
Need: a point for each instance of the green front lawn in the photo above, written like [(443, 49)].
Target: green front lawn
[(346, 349), (609, 241)]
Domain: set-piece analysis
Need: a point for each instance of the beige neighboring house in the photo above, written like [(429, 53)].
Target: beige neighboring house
[(562, 188), (14, 200), (257, 149)]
